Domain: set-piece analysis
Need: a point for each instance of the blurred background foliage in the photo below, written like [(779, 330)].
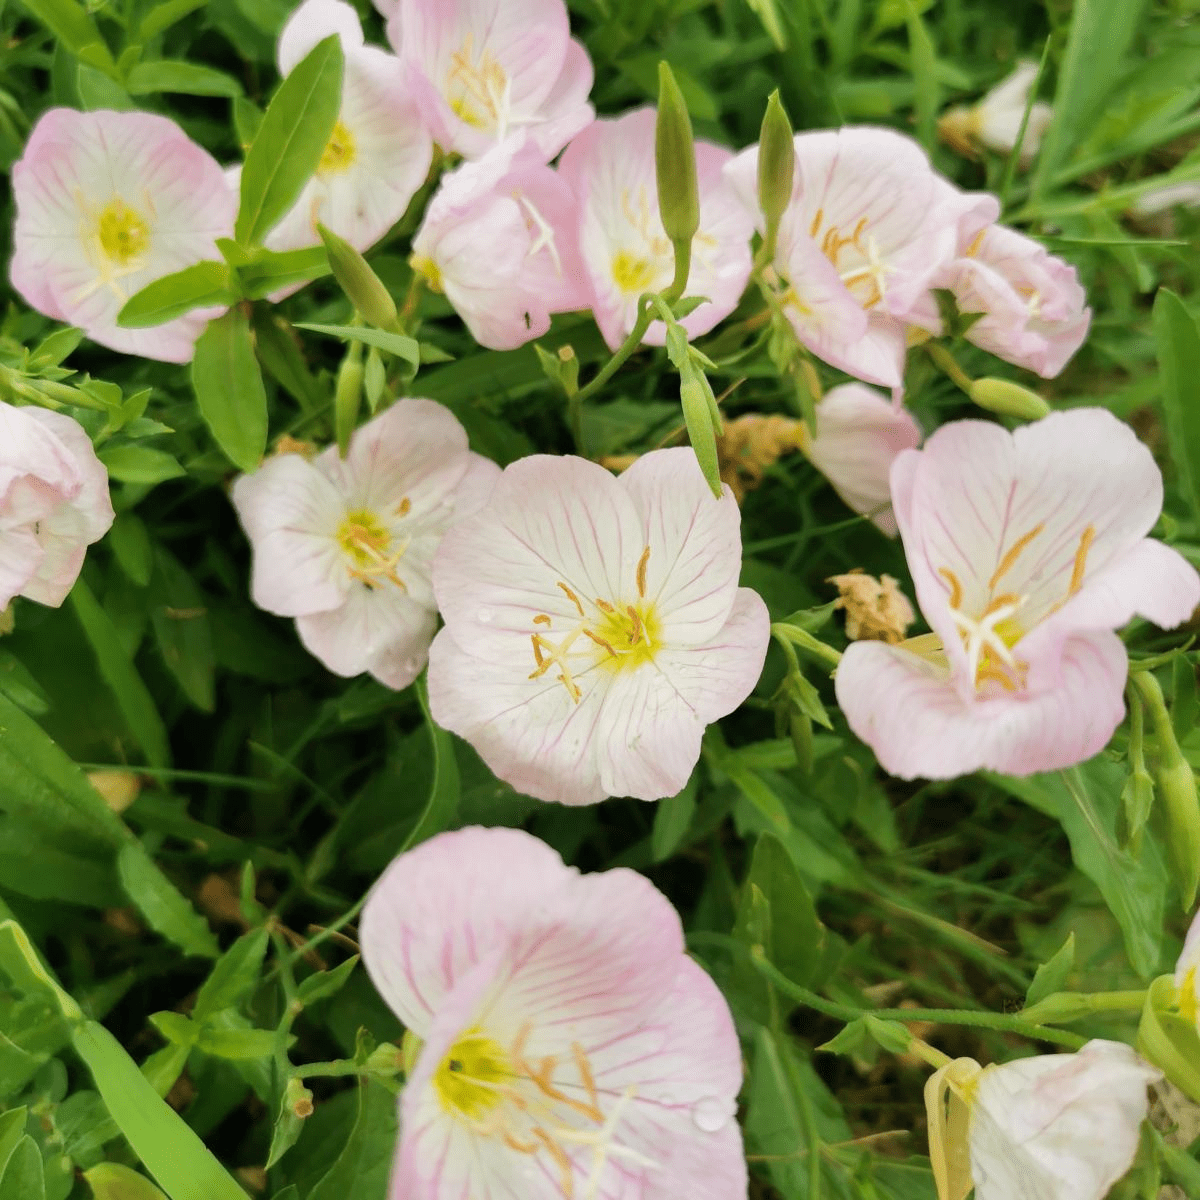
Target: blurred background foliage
[(262, 795)]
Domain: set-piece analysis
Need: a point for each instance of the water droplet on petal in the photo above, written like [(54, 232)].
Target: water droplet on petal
[(711, 1114), (484, 616)]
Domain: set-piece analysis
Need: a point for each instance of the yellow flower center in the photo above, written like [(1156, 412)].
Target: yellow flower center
[(122, 232), (471, 1079), (632, 274), (340, 152), (615, 636), (369, 547), (477, 88), (424, 266)]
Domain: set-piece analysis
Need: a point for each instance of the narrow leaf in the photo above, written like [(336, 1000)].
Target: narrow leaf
[(394, 343), (1178, 342), (230, 391), (160, 902), (189, 79), (74, 28), (202, 285)]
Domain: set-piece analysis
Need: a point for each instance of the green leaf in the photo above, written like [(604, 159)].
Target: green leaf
[(235, 975), (1099, 36), (97, 90), (112, 1181), (269, 270), (159, 901), (24, 1178), (43, 869), (52, 350), (1178, 341), (444, 791), (394, 343), (288, 146), (362, 1168), (672, 819), (1185, 703), (179, 615), (162, 16), (202, 285), (237, 1044), (12, 1130), (1052, 976), (325, 983), (189, 79), (132, 697), (140, 464), (229, 388), (130, 543), (176, 1028), (74, 29), (923, 64)]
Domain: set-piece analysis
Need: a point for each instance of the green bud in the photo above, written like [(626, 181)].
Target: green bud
[(1059, 1008), (776, 165), (1008, 399), (364, 288), (697, 415), (675, 162), (347, 396)]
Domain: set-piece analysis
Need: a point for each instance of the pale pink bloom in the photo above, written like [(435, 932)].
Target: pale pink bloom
[(108, 202), (869, 227), (499, 239), (485, 70), (1187, 974), (1027, 550), (1035, 311), (996, 120), (570, 1046), (859, 435), (594, 626), (610, 167), (53, 503), (380, 149), (345, 545), (1050, 1127)]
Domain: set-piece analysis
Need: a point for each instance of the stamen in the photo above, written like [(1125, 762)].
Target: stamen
[(599, 641), (956, 592), (404, 507), (1085, 543), (514, 1143), (556, 1152), (605, 607), (1014, 552), (574, 599), (635, 632), (812, 230), (585, 1073), (541, 619), (643, 563)]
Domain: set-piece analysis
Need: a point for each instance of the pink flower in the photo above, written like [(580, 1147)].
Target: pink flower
[(625, 250), (53, 503), (108, 202), (484, 70), (570, 1046), (380, 150), (1035, 312), (869, 226), (1027, 550), (498, 239), (859, 435), (594, 626), (345, 545)]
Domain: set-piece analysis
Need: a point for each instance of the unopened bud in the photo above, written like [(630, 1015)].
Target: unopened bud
[(364, 288), (347, 396), (776, 163), (1008, 399), (697, 415), (1059, 1008), (675, 161), (1177, 786)]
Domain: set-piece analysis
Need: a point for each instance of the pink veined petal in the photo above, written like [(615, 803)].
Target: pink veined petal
[(377, 629), (21, 555), (443, 907), (859, 435), (33, 449), (92, 501), (312, 21), (552, 523), (919, 724), (529, 732), (695, 544), (654, 716), (291, 513)]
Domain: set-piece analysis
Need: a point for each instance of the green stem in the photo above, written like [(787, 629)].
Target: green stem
[(683, 267), (949, 364), (814, 646), (938, 1016)]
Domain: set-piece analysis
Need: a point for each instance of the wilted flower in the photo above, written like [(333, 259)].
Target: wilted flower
[(751, 443), (626, 251), (1055, 1126), (869, 226), (53, 503), (876, 609), (594, 626), (1187, 974), (499, 240), (996, 120), (484, 71), (1035, 312), (345, 545), (380, 149), (1026, 549), (570, 1046), (108, 202), (859, 435)]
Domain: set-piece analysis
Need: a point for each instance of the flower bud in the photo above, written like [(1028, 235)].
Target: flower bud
[(776, 164), (347, 396), (1008, 399), (675, 161), (697, 415), (364, 288)]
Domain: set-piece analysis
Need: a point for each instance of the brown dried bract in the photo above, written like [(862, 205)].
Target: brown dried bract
[(752, 443), (876, 609)]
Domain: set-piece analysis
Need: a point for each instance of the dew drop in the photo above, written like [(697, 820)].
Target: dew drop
[(484, 616), (711, 1114)]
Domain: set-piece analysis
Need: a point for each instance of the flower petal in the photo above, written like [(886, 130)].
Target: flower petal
[(920, 725)]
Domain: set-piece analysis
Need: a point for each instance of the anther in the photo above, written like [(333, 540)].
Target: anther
[(956, 592), (1013, 553), (574, 599), (643, 563), (1080, 565)]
